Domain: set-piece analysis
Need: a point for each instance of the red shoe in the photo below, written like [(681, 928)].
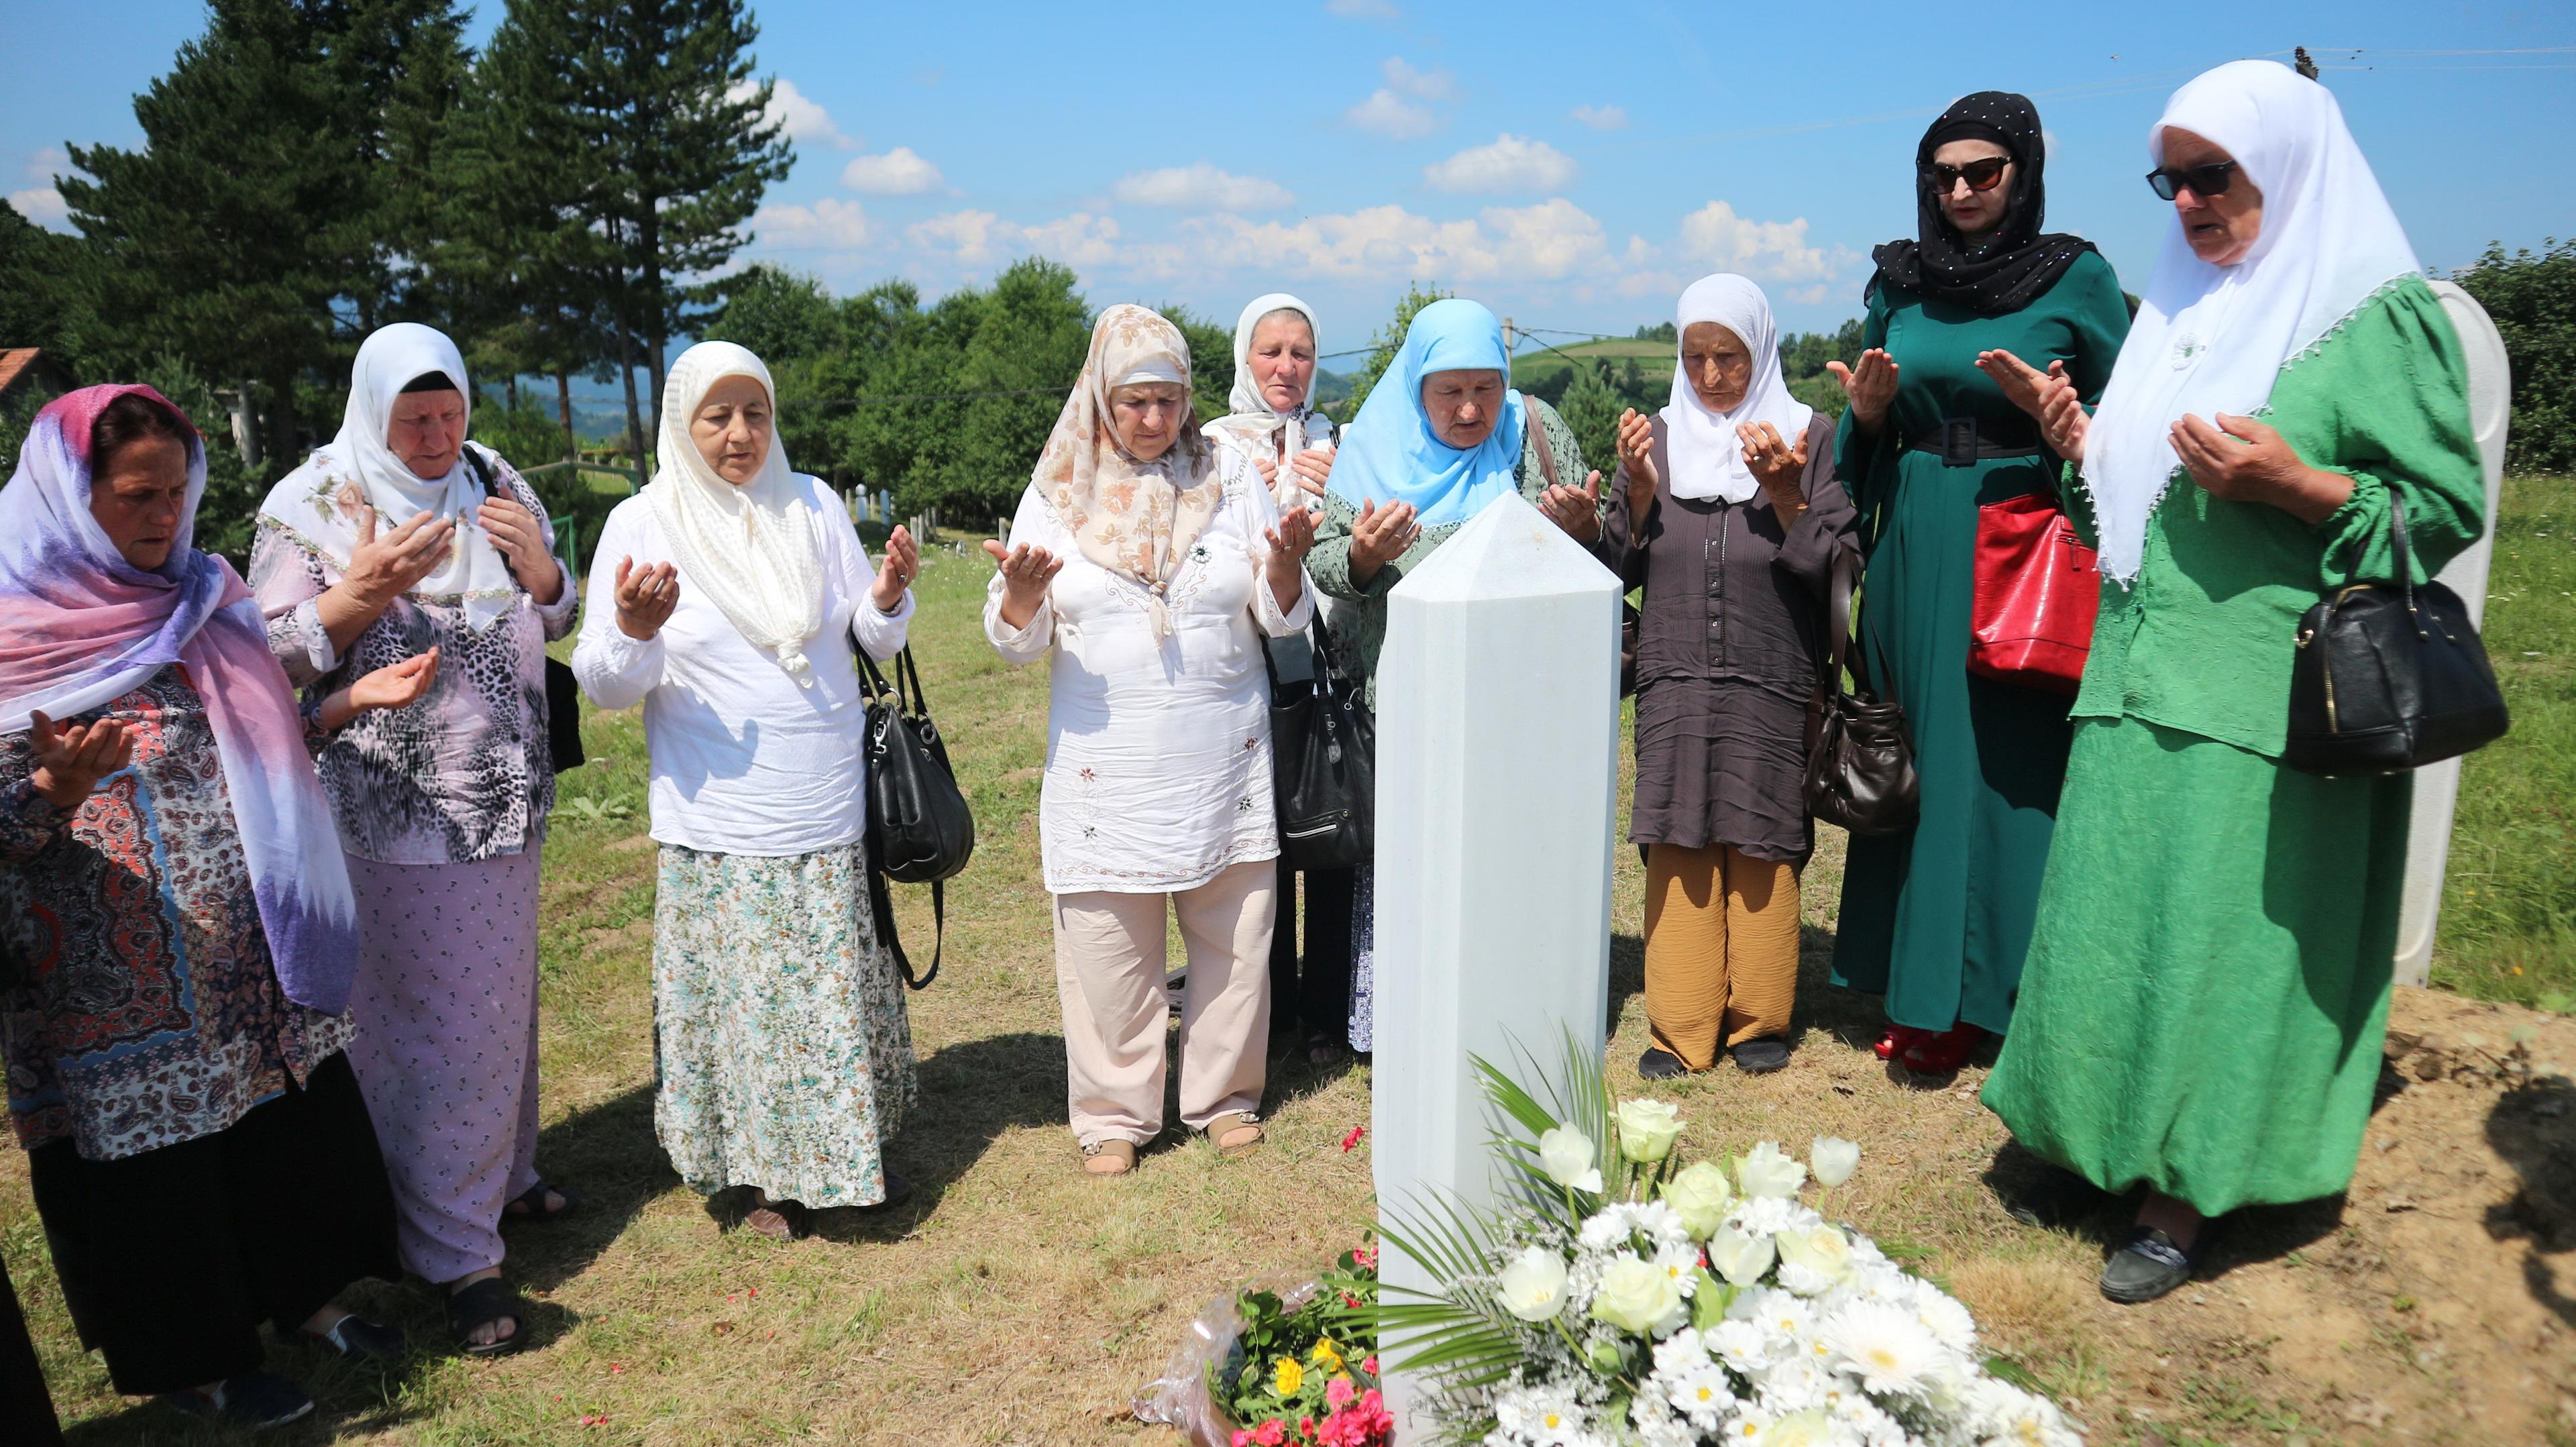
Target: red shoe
[(1897, 1040), (1940, 1054)]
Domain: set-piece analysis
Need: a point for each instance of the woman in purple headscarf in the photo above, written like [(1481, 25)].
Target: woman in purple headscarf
[(172, 883)]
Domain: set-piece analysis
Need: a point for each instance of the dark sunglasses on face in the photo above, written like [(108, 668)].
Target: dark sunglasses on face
[(1982, 175), (2210, 180)]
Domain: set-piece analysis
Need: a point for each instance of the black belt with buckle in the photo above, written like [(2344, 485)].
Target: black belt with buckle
[(1958, 444)]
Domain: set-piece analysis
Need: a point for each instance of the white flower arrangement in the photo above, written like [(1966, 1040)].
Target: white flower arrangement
[(1624, 1298)]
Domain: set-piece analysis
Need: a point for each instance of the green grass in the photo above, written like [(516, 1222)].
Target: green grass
[(1536, 367), (2508, 924)]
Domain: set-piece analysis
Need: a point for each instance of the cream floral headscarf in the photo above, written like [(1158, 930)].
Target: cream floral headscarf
[(1136, 519)]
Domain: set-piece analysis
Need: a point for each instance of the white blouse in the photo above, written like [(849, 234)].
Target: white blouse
[(744, 761), (1158, 719)]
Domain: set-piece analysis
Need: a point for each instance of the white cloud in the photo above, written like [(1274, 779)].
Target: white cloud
[(898, 172), (1080, 239), (44, 163), (1768, 250), (43, 205), (1390, 115), (1361, 9), (1602, 118), (828, 224), (1550, 241), (1420, 84), (1201, 188), (804, 119), (1511, 163)]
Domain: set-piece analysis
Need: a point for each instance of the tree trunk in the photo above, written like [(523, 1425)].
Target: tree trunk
[(649, 233), (513, 392), (626, 370), (563, 407)]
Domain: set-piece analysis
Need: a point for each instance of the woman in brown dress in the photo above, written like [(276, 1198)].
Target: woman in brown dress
[(1726, 511)]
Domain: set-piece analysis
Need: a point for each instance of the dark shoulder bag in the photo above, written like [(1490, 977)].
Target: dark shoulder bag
[(1324, 765), (2389, 677), (920, 830), (563, 695), (1860, 760)]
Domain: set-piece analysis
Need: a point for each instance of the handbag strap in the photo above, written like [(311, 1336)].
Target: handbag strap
[(872, 683), (1838, 613), (1546, 454), (908, 694), (881, 901)]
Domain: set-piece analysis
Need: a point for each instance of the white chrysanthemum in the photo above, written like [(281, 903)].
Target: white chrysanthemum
[(1745, 1429), (1739, 1344), (1887, 1348), (1683, 1351), (1948, 1321), (1795, 1383), (2004, 1415), (1703, 1397), (1770, 1215), (1784, 1320), (1681, 1263), (1542, 1416), (1862, 1420)]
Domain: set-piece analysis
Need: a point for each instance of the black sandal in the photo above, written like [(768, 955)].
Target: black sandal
[(530, 1204), (485, 1302)]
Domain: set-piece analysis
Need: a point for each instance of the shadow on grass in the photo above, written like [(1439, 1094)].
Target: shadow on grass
[(971, 1092)]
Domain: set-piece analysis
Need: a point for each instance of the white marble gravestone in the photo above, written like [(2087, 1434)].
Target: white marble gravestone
[(1497, 755), (2437, 786)]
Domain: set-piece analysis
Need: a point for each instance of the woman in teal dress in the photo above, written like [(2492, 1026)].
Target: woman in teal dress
[(1937, 918), (2209, 974)]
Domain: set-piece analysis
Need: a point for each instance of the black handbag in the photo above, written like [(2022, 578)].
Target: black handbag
[(2389, 678), (920, 830), (563, 695), (1324, 764), (1860, 760)]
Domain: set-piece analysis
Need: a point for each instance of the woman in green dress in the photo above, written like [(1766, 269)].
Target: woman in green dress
[(1441, 436), (1937, 918), (2209, 973)]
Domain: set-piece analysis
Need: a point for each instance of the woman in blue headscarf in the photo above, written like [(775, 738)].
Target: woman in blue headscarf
[(1440, 436)]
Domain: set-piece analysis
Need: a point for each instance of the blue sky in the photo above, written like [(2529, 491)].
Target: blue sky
[(1570, 165)]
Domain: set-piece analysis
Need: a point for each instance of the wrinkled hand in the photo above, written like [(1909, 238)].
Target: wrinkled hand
[(1286, 565), (645, 598), (382, 569), (2049, 397), (1779, 466), (1637, 455), (1025, 572), (522, 541), (72, 758), (902, 564), (396, 685), (1314, 469), (1575, 509), (1870, 388), (2243, 460), (1379, 536)]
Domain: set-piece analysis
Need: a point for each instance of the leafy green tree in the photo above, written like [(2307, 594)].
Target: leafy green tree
[(800, 334), (1382, 347), (2531, 296), (1592, 407), (1211, 362)]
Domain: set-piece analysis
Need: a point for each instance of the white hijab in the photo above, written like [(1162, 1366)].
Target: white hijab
[(2211, 339), (319, 502), (751, 549), (1252, 423), (1707, 456)]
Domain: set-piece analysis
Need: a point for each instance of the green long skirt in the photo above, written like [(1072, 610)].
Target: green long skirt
[(2209, 972)]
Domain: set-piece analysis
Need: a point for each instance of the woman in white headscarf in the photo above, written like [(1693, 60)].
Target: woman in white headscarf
[(1727, 513), (1151, 582), (728, 598), (397, 536), (1274, 438), (2209, 975)]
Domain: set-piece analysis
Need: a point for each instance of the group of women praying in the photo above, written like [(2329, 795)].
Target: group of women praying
[(271, 848)]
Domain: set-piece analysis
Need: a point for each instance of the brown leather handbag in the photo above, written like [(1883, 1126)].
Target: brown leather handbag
[(1860, 758)]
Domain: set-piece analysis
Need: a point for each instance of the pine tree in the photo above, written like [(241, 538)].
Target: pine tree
[(1591, 407)]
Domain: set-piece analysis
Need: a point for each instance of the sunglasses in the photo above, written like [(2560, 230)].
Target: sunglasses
[(2210, 180), (1983, 175)]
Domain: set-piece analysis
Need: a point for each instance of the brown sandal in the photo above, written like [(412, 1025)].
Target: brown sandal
[(1109, 1158), (1228, 1132)]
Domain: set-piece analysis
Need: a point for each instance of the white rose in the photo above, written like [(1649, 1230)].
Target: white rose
[(1566, 1155), (1533, 1286), (1636, 1296), (1821, 1250), (1739, 1257), (1647, 1130), (1700, 1196), (1800, 1429), (1833, 1159), (1764, 1171)]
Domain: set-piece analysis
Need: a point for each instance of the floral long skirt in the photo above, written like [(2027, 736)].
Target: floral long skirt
[(783, 1056)]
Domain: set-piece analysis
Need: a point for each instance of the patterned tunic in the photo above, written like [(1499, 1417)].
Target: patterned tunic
[(465, 774), (152, 1014)]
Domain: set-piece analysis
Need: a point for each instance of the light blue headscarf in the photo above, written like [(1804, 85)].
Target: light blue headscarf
[(1389, 452)]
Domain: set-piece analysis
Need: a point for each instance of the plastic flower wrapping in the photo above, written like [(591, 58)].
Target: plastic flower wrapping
[(1619, 1296)]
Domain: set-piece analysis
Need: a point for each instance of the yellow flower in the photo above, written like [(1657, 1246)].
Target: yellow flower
[(1328, 1356), (1289, 1379)]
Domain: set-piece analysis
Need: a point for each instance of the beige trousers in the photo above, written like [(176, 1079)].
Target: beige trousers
[(1109, 974), (1721, 949)]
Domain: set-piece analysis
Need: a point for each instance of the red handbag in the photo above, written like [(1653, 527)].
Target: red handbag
[(2038, 589)]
